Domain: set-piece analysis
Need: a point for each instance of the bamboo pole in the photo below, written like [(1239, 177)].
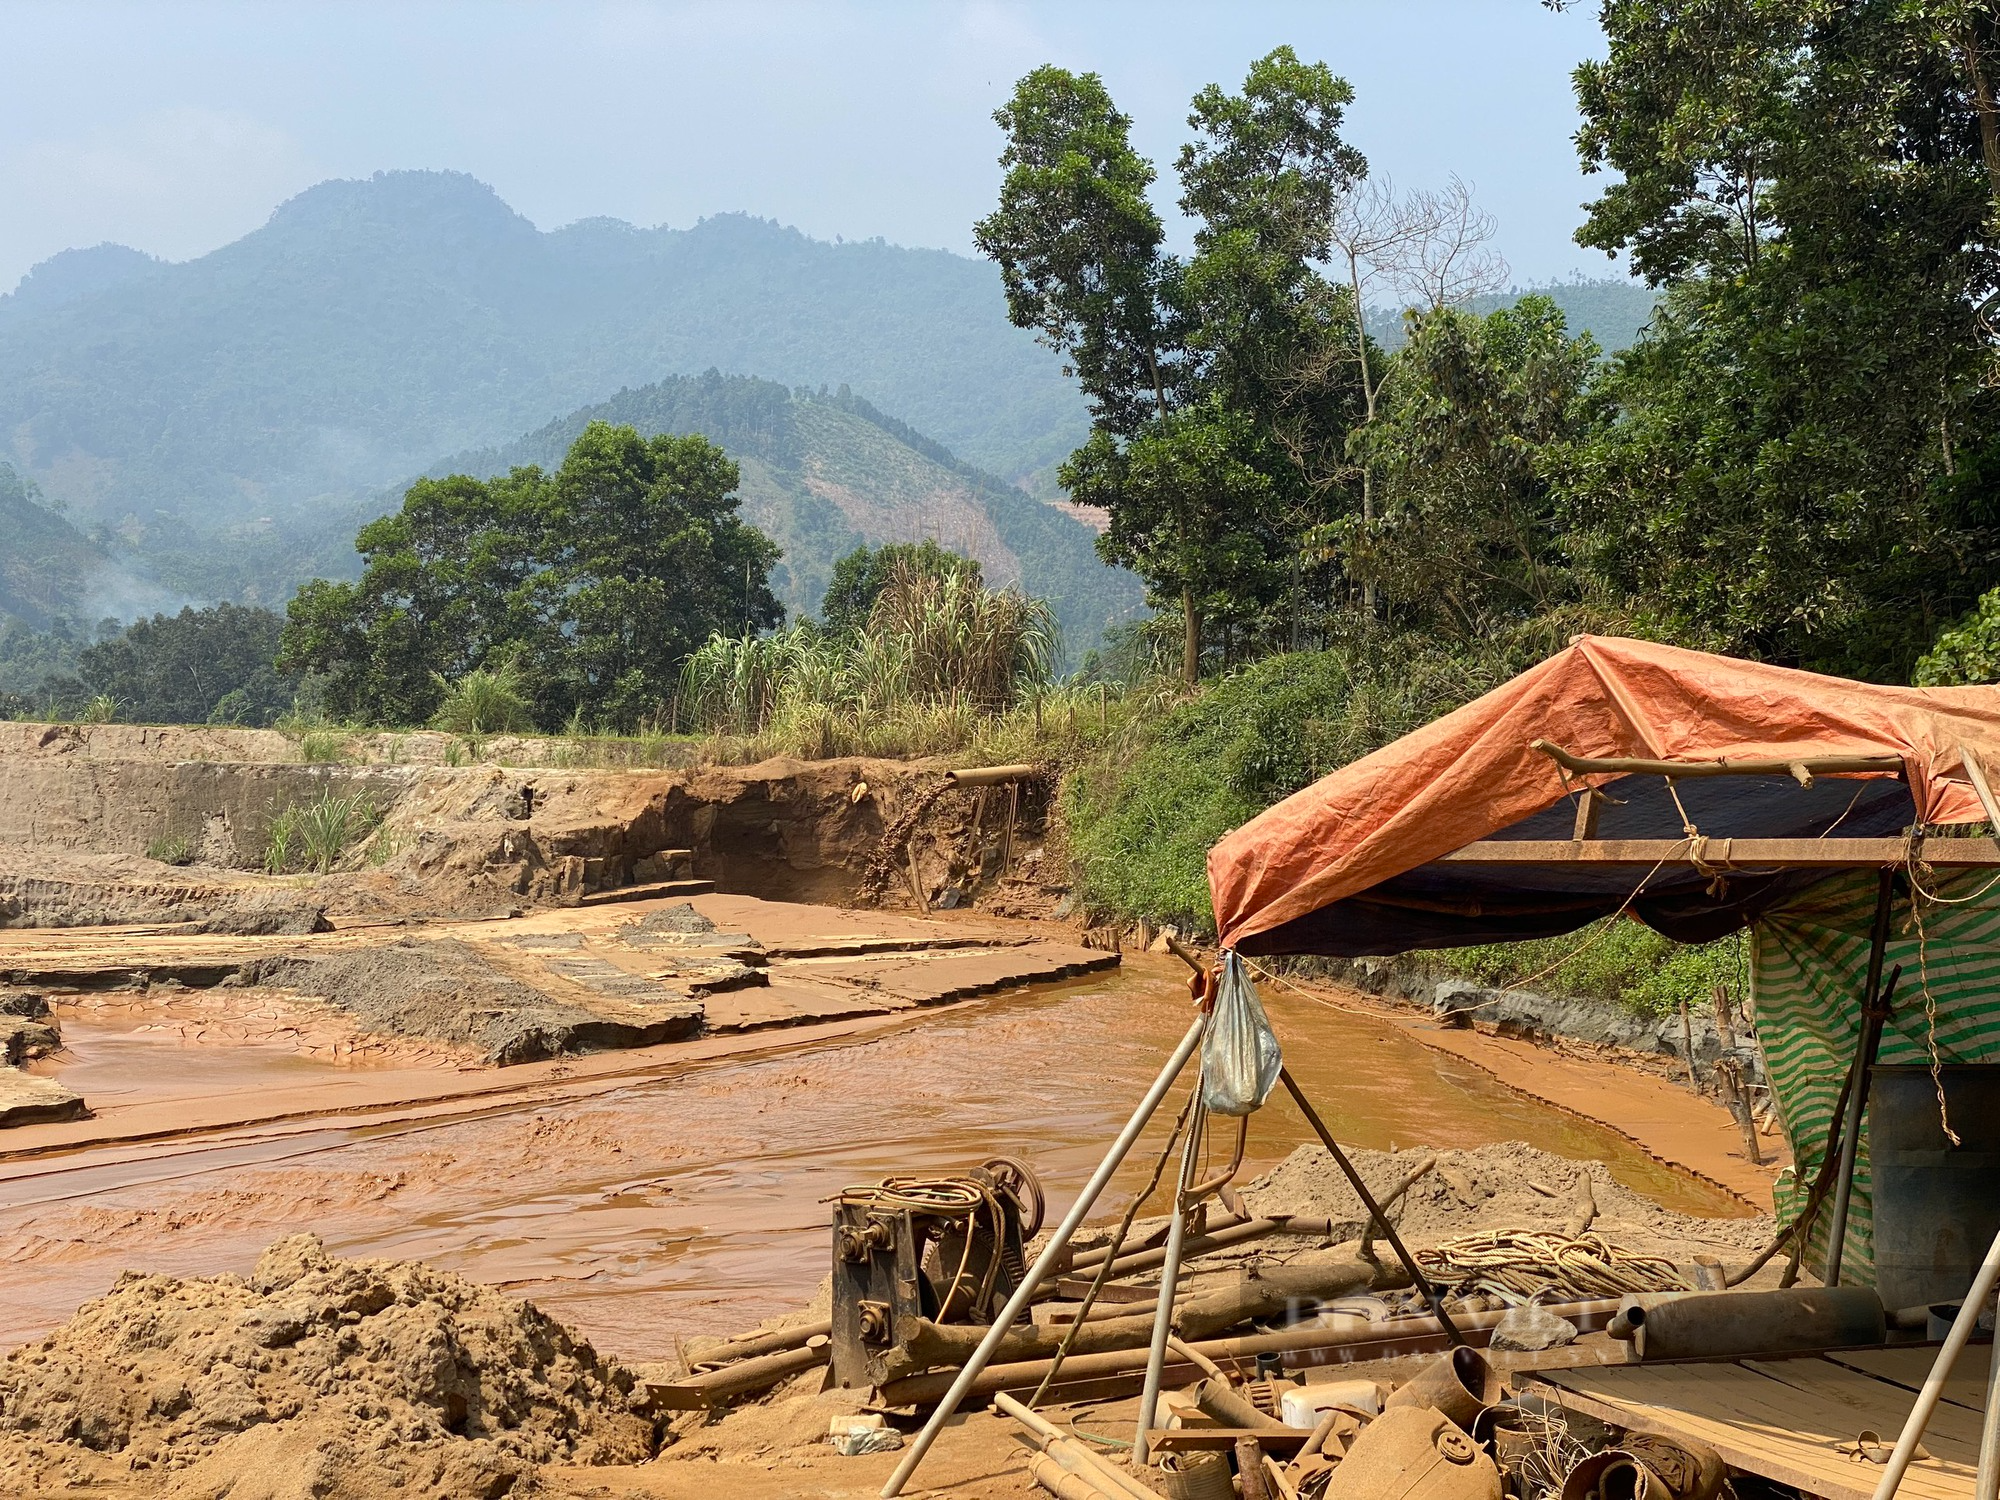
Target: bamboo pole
[(1170, 1275)]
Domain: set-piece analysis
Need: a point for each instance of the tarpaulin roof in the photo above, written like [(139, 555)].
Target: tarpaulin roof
[(1345, 866)]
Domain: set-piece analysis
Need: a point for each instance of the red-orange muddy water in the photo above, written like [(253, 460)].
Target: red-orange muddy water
[(693, 1203)]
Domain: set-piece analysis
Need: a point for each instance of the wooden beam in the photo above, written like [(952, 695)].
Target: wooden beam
[(1976, 774), (1739, 854), (1802, 769), (1588, 803)]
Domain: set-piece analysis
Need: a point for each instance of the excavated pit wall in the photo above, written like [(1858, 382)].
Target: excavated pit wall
[(461, 839), (122, 789)]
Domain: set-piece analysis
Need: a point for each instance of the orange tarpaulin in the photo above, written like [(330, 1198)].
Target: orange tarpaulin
[(1472, 773)]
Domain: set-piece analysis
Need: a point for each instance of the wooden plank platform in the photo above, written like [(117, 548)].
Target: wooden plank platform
[(1785, 1419)]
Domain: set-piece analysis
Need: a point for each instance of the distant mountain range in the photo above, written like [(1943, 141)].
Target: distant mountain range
[(371, 325), (220, 428)]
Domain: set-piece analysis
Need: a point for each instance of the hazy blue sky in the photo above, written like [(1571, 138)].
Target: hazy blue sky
[(177, 127)]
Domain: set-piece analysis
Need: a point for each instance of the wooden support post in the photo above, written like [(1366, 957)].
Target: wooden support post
[(1872, 1017), (1587, 807)]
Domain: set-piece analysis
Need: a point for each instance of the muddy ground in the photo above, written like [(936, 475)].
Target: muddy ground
[(606, 1040)]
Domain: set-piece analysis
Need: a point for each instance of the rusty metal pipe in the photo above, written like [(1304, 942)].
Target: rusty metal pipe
[(1379, 1339), (1240, 1232), (992, 775), (1709, 1325), (756, 1344), (714, 1387)]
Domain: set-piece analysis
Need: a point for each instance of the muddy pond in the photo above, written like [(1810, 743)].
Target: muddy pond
[(695, 1203)]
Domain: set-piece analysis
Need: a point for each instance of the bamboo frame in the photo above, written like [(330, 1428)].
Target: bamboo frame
[(1802, 769), (1719, 853)]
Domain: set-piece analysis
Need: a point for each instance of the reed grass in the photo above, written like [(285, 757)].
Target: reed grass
[(941, 660), (315, 835)]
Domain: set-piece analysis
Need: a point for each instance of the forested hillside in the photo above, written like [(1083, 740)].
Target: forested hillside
[(372, 325), (44, 561), (1612, 311), (825, 473)]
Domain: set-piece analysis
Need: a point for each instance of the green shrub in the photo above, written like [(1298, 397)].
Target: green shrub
[(172, 849), (314, 835), (1143, 811), (1621, 960), (101, 709), (484, 702)]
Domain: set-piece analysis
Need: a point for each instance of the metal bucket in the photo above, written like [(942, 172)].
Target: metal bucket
[(1937, 1206)]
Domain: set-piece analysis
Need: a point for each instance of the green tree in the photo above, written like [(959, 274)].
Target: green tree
[(1794, 471), (1191, 510), (860, 576), (644, 557), (590, 585), (1213, 370), (1476, 414), (197, 667), (1079, 245), (445, 588)]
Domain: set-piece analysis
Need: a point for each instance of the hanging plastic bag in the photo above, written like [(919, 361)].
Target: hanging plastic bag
[(1240, 1056)]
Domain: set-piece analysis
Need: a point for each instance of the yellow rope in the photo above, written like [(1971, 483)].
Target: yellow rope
[(1517, 1265)]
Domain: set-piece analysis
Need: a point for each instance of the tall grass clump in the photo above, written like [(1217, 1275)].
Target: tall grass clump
[(322, 747), (940, 659), (315, 835), (484, 702)]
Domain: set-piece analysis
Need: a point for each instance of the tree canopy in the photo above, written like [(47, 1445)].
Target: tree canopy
[(1802, 461), (1208, 378), (594, 583), (201, 666)]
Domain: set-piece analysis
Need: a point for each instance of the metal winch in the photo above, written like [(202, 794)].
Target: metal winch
[(911, 1249)]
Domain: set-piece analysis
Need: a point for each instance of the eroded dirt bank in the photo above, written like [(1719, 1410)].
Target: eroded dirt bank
[(92, 811)]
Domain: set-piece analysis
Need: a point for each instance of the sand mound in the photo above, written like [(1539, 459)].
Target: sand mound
[(1489, 1187), (316, 1377)]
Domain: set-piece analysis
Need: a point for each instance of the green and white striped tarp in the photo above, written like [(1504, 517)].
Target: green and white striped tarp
[(1808, 963)]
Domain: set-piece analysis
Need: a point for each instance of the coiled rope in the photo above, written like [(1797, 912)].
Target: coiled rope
[(1518, 1265)]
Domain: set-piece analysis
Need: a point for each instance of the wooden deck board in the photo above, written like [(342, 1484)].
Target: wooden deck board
[(1909, 1368), (1784, 1419)]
